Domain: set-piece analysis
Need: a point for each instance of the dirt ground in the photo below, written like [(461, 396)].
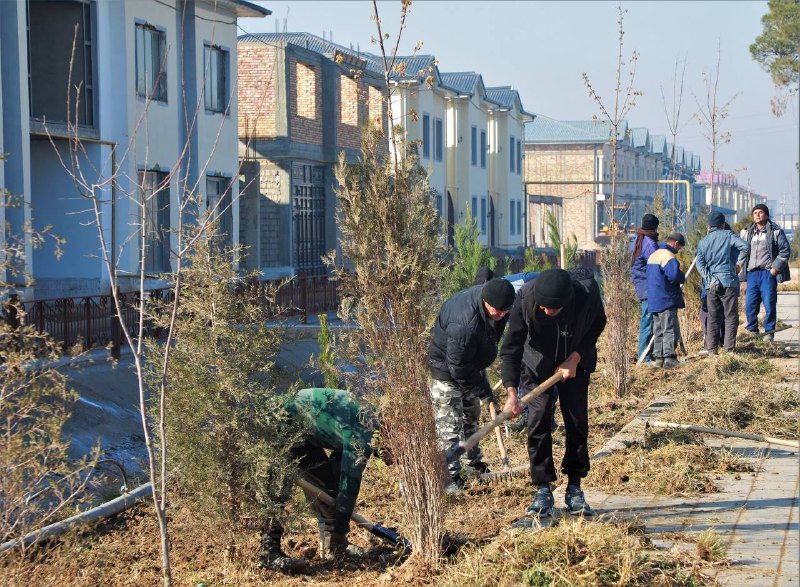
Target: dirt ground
[(125, 550)]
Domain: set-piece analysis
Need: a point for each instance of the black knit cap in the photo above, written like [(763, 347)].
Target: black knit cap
[(499, 293), (553, 288), (716, 219), (649, 222), (762, 207)]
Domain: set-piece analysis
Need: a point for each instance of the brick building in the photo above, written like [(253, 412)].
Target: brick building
[(580, 151), (302, 101)]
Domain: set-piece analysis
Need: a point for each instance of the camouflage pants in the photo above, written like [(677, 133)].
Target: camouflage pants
[(457, 418)]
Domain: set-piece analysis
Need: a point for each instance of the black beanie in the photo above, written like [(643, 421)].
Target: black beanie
[(716, 219), (649, 222), (762, 207), (553, 288), (499, 293)]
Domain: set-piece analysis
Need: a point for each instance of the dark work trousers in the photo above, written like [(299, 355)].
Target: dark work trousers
[(573, 397), (319, 468), (723, 308), (666, 332)]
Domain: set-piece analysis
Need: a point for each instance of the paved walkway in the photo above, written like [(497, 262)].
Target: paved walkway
[(757, 513)]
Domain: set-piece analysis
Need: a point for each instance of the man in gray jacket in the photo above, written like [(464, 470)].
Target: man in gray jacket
[(718, 266), (765, 267)]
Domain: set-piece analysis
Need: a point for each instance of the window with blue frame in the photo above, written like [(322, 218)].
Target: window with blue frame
[(519, 157), (512, 224), (439, 204), (473, 140), (426, 136), (483, 215), (511, 153), (475, 208), (483, 149), (519, 216), (438, 139)]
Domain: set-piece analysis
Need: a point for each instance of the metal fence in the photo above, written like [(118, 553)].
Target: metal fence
[(90, 321)]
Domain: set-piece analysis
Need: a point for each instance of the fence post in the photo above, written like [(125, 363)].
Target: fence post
[(116, 331), (303, 282)]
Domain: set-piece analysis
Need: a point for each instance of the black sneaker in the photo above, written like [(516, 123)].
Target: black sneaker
[(481, 468), (671, 362), (543, 502), (576, 502)]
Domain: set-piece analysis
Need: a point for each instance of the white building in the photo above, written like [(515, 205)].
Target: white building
[(155, 86), (471, 143)]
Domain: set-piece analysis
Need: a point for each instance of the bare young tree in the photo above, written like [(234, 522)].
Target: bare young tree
[(195, 218), (614, 114), (711, 114), (390, 237), (672, 113), (617, 286)]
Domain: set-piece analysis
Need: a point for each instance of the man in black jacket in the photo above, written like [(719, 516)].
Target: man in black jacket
[(464, 343), (554, 326)]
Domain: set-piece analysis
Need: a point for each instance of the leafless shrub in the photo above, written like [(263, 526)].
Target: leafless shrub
[(620, 312)]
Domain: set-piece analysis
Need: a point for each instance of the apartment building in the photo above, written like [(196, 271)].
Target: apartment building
[(152, 106), (567, 171), (303, 100), (734, 200), (471, 143)]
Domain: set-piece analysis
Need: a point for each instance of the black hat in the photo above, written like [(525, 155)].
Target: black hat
[(716, 219), (553, 288), (762, 207), (678, 238), (649, 222), (499, 293)]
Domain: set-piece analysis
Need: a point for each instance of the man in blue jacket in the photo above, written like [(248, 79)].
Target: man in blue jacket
[(664, 296), (644, 246), (765, 267), (717, 267)]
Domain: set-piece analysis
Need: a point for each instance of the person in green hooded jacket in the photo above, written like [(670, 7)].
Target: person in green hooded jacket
[(335, 422)]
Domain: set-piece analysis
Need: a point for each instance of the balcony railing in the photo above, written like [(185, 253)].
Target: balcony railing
[(90, 321)]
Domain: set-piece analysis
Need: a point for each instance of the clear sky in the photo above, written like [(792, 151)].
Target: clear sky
[(542, 48)]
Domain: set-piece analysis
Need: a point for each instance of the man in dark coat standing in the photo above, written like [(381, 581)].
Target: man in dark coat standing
[(554, 326), (464, 343)]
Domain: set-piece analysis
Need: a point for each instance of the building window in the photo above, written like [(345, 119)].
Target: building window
[(475, 209), (519, 216), (53, 26), (511, 153), (308, 211), (438, 139), (218, 203), (154, 197), (215, 60), (483, 149), (473, 143), (306, 91), (519, 157), (439, 204), (426, 135), (151, 64), (348, 100), (512, 212), (483, 215)]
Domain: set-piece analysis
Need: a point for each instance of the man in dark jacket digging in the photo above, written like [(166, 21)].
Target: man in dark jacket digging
[(554, 326), (334, 422), (464, 343), (645, 245)]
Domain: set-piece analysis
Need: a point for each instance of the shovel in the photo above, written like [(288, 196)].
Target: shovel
[(386, 534), (503, 416)]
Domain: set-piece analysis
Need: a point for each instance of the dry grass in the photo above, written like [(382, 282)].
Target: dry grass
[(668, 462), (574, 552), (711, 547), (738, 392)]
